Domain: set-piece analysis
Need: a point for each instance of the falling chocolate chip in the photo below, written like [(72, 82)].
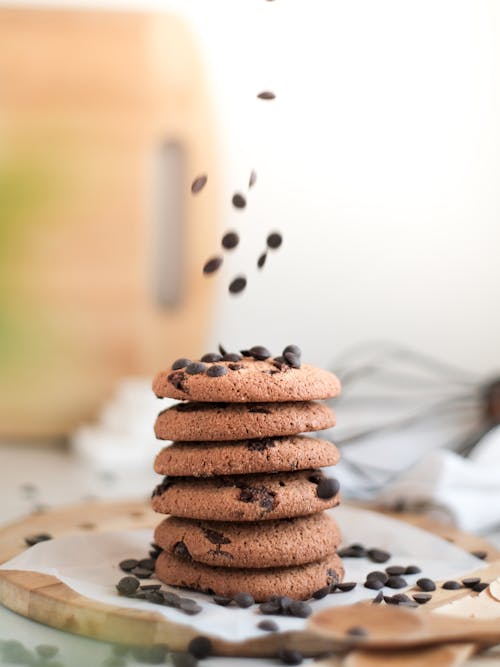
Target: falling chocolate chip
[(239, 200), (200, 647), (262, 260), (195, 368), (237, 285), (211, 357), (180, 363), (217, 371), (230, 240), (274, 240), (199, 183), (253, 178), (327, 488), (266, 95), (212, 265)]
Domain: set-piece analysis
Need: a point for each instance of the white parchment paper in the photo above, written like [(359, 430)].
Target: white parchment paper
[(89, 565)]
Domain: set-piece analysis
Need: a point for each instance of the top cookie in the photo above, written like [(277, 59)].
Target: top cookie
[(246, 381)]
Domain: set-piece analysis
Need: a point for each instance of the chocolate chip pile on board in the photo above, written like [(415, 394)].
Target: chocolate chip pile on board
[(246, 536)]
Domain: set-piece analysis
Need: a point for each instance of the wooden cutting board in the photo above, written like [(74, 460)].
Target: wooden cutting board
[(45, 599)]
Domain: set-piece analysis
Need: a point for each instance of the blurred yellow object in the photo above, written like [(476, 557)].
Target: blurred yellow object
[(104, 122)]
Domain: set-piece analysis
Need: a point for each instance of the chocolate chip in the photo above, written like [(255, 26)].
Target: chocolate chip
[(141, 572), (199, 183), (222, 600), (31, 540), (183, 660), (231, 356), (270, 607), (181, 550), (222, 349), (195, 368), (237, 285), (353, 551), (239, 200), (178, 379), (400, 597), (212, 265), (274, 240), (147, 563), (230, 240), (294, 349), (200, 647), (378, 598), (266, 95), (252, 494), (422, 598), (374, 584), (215, 537), (451, 585), (327, 488), (46, 651), (180, 363), (259, 352), (395, 569), (235, 367), (127, 585), (356, 631), (217, 371), (478, 588), (426, 584), (412, 569), (211, 357), (262, 260), (471, 581), (268, 625), (396, 582), (293, 360), (190, 607), (346, 586), (378, 555), (290, 656), (171, 599), (151, 587), (285, 603), (300, 609), (154, 596), (381, 576), (321, 593), (244, 600), (260, 445), (253, 179), (479, 554), (128, 564)]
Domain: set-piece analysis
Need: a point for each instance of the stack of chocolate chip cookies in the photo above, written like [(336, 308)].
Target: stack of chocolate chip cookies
[(244, 492)]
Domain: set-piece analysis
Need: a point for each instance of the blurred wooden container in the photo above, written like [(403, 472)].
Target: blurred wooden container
[(104, 122)]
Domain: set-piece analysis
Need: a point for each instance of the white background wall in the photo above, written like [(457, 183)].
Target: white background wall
[(379, 161)]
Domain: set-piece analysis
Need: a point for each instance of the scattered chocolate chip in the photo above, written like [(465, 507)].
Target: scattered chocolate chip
[(346, 586), (293, 360), (378, 555), (259, 352), (147, 563), (231, 356), (321, 593), (154, 596), (378, 598), (151, 587), (183, 660), (195, 368), (200, 647), (190, 607), (212, 265), (451, 585), (253, 178), (381, 576), (353, 551), (180, 363), (31, 540), (222, 600), (46, 651), (217, 371), (239, 200), (374, 584), (199, 183), (128, 564), (285, 603), (290, 656), (471, 581), (230, 240), (262, 260), (395, 569), (237, 285), (412, 569), (266, 95), (270, 607), (479, 554), (244, 600), (268, 625), (422, 598), (211, 357), (327, 488), (127, 585), (400, 597), (356, 631), (300, 609), (171, 599), (274, 240), (478, 588), (396, 582), (294, 349), (426, 585), (141, 572)]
